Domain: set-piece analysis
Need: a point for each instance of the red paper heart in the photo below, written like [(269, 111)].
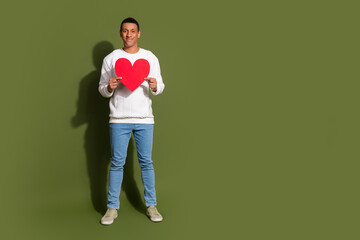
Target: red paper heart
[(132, 75)]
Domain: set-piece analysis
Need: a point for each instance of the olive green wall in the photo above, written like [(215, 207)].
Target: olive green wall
[(256, 134)]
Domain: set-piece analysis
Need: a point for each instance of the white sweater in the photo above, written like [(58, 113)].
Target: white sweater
[(130, 106)]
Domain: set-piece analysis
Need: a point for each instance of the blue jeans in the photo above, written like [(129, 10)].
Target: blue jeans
[(120, 134)]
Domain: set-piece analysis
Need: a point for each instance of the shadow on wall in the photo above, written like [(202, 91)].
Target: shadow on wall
[(93, 110)]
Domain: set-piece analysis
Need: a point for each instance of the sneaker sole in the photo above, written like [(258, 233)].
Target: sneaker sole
[(108, 223), (154, 219)]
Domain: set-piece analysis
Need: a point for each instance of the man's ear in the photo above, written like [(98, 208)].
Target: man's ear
[(139, 34)]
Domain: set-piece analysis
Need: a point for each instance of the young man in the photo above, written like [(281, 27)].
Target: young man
[(130, 112)]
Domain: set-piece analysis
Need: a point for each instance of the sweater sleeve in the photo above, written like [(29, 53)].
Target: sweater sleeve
[(104, 80), (157, 74)]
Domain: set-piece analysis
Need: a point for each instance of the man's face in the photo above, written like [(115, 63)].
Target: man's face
[(129, 34)]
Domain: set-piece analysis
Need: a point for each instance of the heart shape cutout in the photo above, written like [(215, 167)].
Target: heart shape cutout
[(132, 75)]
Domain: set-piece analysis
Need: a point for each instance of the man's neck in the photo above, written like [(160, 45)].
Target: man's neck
[(133, 49)]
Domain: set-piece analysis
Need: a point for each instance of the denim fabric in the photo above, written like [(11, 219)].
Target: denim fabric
[(120, 134)]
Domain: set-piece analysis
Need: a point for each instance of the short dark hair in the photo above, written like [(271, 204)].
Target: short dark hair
[(130, 20)]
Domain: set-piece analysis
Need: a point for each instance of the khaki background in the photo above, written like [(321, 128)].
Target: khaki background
[(256, 135)]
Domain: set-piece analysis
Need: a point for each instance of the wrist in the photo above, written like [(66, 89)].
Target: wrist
[(109, 89)]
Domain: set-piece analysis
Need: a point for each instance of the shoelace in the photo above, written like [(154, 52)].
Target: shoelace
[(108, 213), (153, 211)]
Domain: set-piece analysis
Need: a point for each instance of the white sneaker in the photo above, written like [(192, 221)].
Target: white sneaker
[(109, 216), (153, 214)]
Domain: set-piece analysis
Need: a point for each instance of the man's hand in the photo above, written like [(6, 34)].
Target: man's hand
[(113, 83), (152, 83)]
